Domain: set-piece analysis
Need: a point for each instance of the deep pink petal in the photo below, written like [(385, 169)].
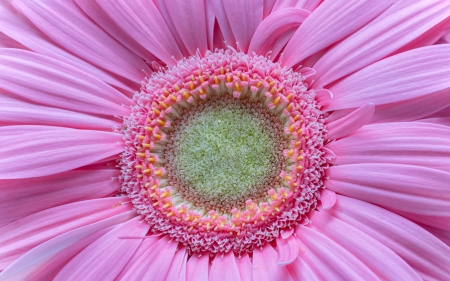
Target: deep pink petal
[(443, 235), (300, 270), (265, 266), (274, 26), (288, 250), (22, 235), (50, 82), (224, 267), (350, 123), (327, 199), (245, 267), (44, 261), (434, 221), (223, 22), (69, 27), (105, 258), (54, 151), (413, 143), (329, 23), (144, 23), (396, 27), (386, 264), (19, 197), (438, 120), (189, 18), (417, 73), (426, 254), (268, 6), (210, 23), (177, 271), (198, 268)]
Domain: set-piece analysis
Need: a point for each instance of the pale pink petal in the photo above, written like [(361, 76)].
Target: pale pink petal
[(245, 267), (350, 123), (224, 267), (274, 26), (8, 42), (69, 27), (426, 254), (14, 131), (177, 271), (93, 10), (210, 22), (198, 268), (189, 18), (331, 261), (45, 260), (265, 266), (386, 264), (417, 73), (18, 27), (396, 27), (144, 23), (288, 250), (14, 111), (413, 143), (309, 5), (327, 199), (50, 82), (24, 197), (54, 151), (329, 23), (222, 20), (438, 120), (443, 235), (268, 6), (105, 258), (22, 235), (154, 264), (437, 222), (300, 270)]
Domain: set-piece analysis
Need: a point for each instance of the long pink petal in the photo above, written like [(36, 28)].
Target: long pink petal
[(105, 258), (189, 18), (22, 235), (300, 270), (329, 23), (177, 271), (443, 235), (413, 143), (429, 65), (327, 199), (45, 260), (55, 151), (350, 123), (274, 26), (386, 264), (426, 254), (265, 266), (288, 250), (245, 267), (50, 82), (198, 268), (19, 197), (222, 20), (224, 268), (18, 27), (144, 23), (438, 120), (399, 25), (69, 27)]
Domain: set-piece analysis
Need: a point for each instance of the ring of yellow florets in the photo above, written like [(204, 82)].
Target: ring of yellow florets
[(223, 75)]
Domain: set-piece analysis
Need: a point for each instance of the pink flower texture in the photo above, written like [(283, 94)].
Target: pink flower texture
[(224, 140)]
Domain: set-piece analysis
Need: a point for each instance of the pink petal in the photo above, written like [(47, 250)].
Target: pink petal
[(426, 254), (22, 235), (19, 197), (50, 82), (443, 235), (210, 22), (407, 188), (44, 261), (288, 250), (274, 26), (36, 154), (434, 221), (399, 25), (17, 112), (300, 270), (328, 199), (177, 271), (19, 28), (386, 264), (222, 20), (429, 65), (197, 268), (69, 27), (350, 123), (245, 267), (154, 264), (144, 23), (330, 260), (224, 267), (438, 121), (265, 266), (329, 23), (267, 7), (105, 258), (189, 18), (414, 143)]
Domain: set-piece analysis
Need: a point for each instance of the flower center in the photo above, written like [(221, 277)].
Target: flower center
[(224, 152)]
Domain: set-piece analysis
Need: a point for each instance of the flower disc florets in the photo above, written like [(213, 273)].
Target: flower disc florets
[(224, 151)]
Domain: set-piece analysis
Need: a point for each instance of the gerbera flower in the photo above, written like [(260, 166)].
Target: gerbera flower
[(224, 140)]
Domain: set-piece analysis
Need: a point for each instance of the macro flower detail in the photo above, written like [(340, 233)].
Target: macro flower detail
[(224, 140)]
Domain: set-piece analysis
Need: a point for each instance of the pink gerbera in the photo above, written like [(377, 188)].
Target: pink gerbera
[(224, 140)]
